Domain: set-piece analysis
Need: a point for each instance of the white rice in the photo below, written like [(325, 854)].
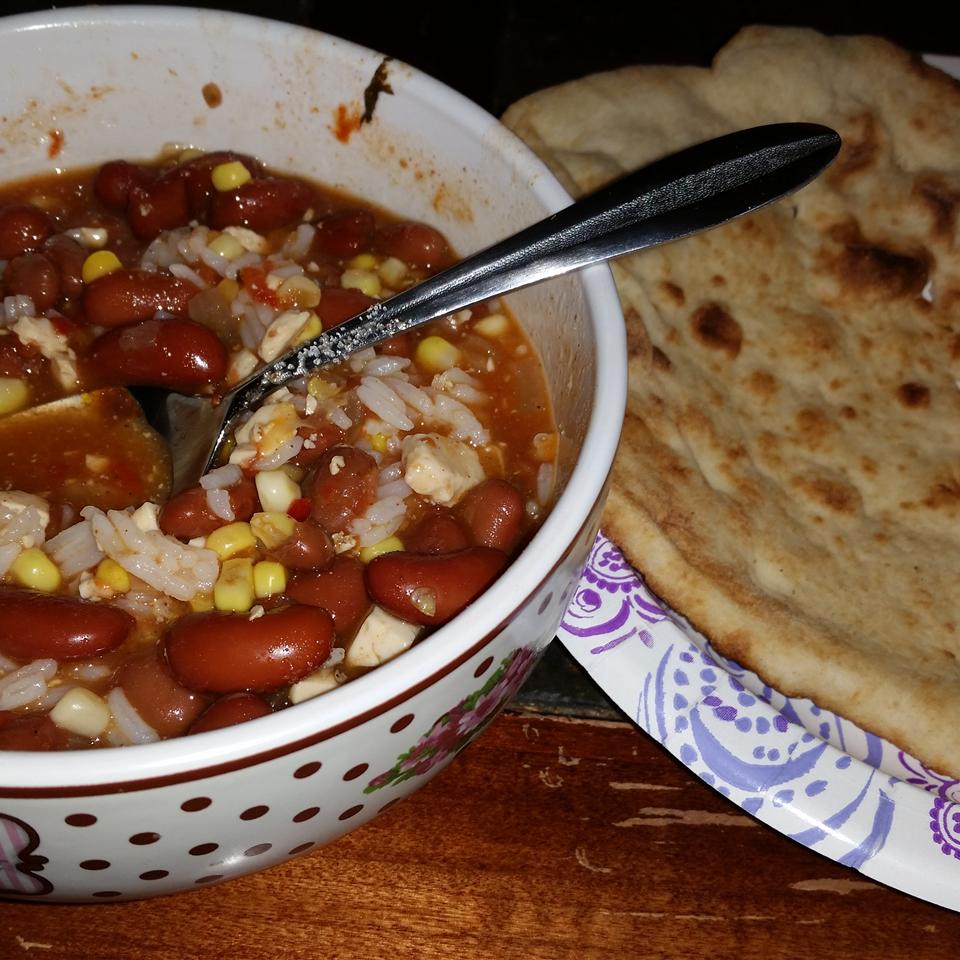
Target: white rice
[(544, 483), (128, 726), (90, 671), (16, 307), (163, 562), (8, 553), (244, 260), (74, 550), (184, 272), (379, 397), (413, 396), (283, 454), (286, 270), (144, 602), (396, 488), (226, 476), (299, 242), (218, 500), (460, 419), (382, 366), (338, 417), (52, 697), (26, 684)]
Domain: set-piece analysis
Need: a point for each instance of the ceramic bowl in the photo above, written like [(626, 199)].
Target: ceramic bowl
[(86, 85)]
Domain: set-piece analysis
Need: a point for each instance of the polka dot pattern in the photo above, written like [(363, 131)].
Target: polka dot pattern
[(350, 812), (154, 874), (402, 723), (305, 815), (94, 864), (301, 848), (201, 849), (104, 894), (195, 804), (544, 603), (212, 878), (358, 771), (144, 839), (483, 667), (257, 849), (80, 820), (255, 813), (307, 770)]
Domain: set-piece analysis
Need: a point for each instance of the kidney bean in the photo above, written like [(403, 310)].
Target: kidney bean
[(415, 244), (340, 590), (178, 354), (230, 710), (341, 486), (228, 652), (338, 304), (158, 206), (187, 515), (129, 296), (153, 691), (436, 533), (494, 514), (23, 227), (343, 234), (322, 436), (261, 205), (38, 625), (409, 584), (310, 547), (30, 732), (195, 174), (68, 256), (115, 180), (399, 346), (35, 276)]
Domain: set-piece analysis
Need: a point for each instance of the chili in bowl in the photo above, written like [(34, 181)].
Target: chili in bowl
[(261, 662)]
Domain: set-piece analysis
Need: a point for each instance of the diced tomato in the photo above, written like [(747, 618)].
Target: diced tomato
[(299, 509)]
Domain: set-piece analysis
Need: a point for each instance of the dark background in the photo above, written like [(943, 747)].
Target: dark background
[(496, 51)]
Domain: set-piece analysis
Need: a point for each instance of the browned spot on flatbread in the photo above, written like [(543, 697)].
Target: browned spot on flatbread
[(716, 329), (762, 383), (940, 200), (869, 466), (673, 293), (829, 491), (861, 147), (661, 361), (718, 280), (873, 271), (943, 495), (848, 412), (638, 343), (913, 395), (813, 427)]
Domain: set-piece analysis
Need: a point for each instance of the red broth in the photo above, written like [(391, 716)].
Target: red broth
[(357, 510)]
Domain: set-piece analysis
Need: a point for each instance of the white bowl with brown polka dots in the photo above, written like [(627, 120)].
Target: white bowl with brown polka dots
[(132, 822)]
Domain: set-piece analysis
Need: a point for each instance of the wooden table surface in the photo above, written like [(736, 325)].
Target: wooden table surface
[(547, 838)]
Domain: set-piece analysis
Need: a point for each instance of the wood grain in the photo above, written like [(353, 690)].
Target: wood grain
[(549, 838)]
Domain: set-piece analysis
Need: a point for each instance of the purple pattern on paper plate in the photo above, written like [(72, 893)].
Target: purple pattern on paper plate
[(809, 773)]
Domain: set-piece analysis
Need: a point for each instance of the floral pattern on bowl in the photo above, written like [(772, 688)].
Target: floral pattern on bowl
[(809, 773)]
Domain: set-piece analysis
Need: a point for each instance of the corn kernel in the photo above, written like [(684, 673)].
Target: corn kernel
[(82, 712), (320, 388), (393, 272), (231, 539), (379, 442), (14, 394), (229, 176), (298, 291), (229, 288), (434, 354), (233, 590), (35, 570), (272, 529), (99, 264), (387, 545), (276, 490), (492, 327), (312, 328), (363, 261), (269, 578), (227, 247), (110, 574), (365, 281), (190, 153), (202, 602)]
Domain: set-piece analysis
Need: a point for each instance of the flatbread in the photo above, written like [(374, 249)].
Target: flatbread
[(789, 474)]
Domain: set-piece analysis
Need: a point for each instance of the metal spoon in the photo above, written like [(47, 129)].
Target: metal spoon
[(682, 194)]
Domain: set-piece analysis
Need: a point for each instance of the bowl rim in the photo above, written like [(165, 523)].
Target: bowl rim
[(71, 773)]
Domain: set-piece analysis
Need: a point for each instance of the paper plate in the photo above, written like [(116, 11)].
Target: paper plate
[(813, 776)]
